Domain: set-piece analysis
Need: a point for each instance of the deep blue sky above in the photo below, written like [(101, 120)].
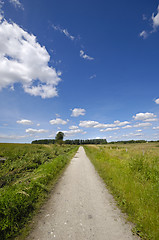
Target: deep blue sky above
[(87, 68)]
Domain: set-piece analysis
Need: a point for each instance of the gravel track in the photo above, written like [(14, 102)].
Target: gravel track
[(81, 208)]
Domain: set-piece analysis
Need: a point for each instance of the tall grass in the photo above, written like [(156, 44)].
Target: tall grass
[(26, 177), (132, 175)]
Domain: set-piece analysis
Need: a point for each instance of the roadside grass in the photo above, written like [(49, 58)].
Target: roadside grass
[(131, 173), (26, 177)]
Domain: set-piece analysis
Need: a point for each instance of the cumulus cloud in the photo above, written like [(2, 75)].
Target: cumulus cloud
[(127, 126), (73, 127), (143, 34), (73, 132), (58, 121), (146, 124), (76, 112), (16, 3), (85, 56), (157, 101), (93, 76), (95, 124), (64, 31), (88, 124), (144, 116), (155, 19), (23, 60), (25, 122), (156, 128), (109, 129), (35, 131)]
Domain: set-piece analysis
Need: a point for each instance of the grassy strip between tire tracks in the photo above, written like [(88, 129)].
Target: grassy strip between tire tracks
[(26, 178), (132, 176)]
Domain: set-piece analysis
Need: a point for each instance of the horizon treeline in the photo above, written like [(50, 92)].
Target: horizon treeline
[(88, 141), (71, 142)]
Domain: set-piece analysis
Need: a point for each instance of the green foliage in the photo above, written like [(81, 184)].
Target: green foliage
[(59, 138), (132, 175), (26, 177)]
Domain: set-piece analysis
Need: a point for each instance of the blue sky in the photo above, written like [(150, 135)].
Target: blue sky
[(87, 68)]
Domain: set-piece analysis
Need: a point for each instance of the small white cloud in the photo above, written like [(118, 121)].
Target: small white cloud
[(58, 121), (76, 112), (85, 56), (73, 132), (139, 130), (157, 101), (73, 127), (25, 122), (93, 76), (38, 124), (143, 34), (144, 116), (146, 124), (64, 31), (109, 129), (17, 3), (127, 126), (156, 128), (35, 131), (88, 124)]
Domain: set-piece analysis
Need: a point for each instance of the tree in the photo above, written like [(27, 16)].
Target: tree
[(59, 137)]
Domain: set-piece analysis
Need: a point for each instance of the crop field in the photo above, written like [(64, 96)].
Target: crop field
[(27, 173), (131, 173)]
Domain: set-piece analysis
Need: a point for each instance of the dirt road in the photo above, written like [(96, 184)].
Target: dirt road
[(81, 208)]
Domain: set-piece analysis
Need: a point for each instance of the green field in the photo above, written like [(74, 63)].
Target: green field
[(27, 174), (131, 173)]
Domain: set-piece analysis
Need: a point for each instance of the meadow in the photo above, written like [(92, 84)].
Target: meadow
[(131, 173), (27, 174)]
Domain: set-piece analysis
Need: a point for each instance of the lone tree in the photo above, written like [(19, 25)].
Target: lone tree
[(59, 137)]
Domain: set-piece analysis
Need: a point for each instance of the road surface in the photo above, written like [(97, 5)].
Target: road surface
[(81, 208)]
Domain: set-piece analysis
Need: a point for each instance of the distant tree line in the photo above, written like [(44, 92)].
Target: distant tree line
[(129, 141), (44, 141), (72, 142)]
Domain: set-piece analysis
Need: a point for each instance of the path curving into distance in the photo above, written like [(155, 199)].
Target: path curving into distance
[(81, 208)]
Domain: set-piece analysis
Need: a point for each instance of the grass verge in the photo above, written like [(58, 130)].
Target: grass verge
[(132, 176), (26, 178)]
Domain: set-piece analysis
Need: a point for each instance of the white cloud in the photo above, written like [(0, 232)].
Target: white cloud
[(118, 123), (23, 60), (64, 31), (93, 76), (127, 126), (95, 124), (73, 132), (143, 34), (88, 124), (13, 137), (77, 112), (34, 131), (144, 116), (151, 120), (58, 121), (85, 56), (38, 124), (146, 124), (109, 129), (73, 127), (157, 101), (25, 122), (156, 128), (155, 19), (17, 3)]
